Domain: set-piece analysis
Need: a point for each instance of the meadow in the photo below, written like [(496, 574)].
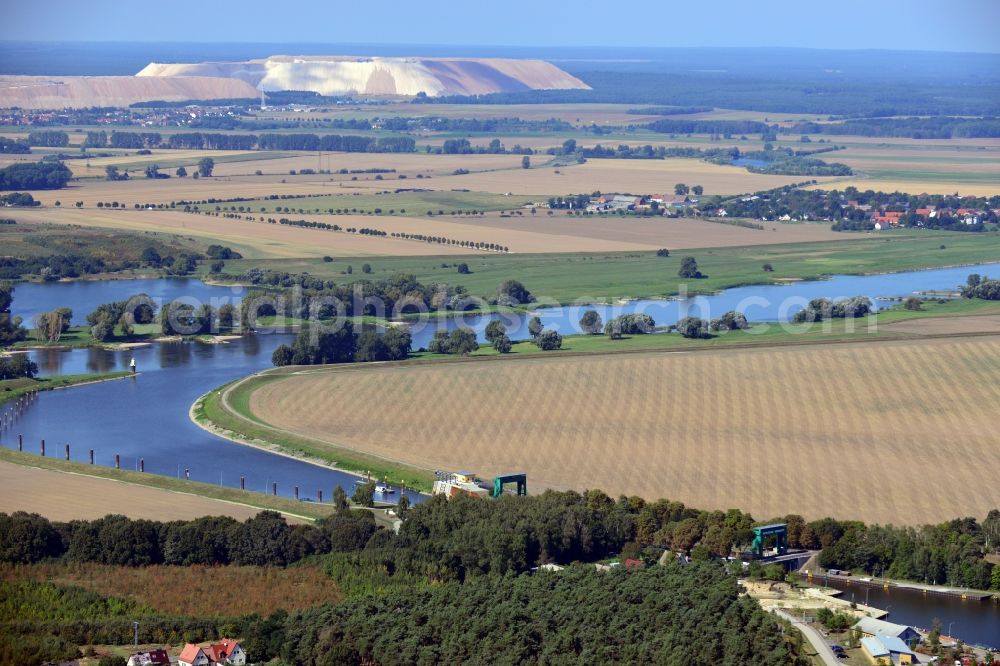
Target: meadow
[(842, 430), (608, 276)]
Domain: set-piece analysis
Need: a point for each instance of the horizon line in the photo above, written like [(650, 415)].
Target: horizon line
[(631, 47)]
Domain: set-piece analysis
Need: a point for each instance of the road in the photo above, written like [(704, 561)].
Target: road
[(811, 635)]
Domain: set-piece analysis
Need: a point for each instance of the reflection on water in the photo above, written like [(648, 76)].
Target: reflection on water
[(147, 416)]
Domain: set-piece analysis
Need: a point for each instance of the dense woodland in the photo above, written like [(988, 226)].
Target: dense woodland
[(857, 98), (43, 175), (667, 615), (451, 582)]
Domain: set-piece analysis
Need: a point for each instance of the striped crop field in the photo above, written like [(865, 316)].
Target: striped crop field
[(900, 431)]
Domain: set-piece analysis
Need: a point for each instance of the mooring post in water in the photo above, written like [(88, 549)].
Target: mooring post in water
[(142, 465), (92, 456), (118, 461), (274, 488), (20, 442), (296, 492), (67, 451), (43, 448), (319, 496), (243, 483)]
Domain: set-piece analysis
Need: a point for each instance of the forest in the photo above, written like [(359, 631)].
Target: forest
[(802, 94), (456, 581), (664, 615)]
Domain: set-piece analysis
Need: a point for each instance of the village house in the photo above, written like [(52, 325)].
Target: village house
[(884, 220), (226, 651), (151, 658)]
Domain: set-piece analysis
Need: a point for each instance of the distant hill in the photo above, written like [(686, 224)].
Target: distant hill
[(338, 75)]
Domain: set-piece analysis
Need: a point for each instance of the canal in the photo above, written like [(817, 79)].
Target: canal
[(976, 622)]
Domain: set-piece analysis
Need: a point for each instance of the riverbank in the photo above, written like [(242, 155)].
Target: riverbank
[(12, 389), (102, 476), (876, 326), (213, 413)]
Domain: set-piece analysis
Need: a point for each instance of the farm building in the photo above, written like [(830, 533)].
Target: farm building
[(887, 650)]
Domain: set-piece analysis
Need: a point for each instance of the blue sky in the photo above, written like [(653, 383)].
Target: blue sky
[(945, 25)]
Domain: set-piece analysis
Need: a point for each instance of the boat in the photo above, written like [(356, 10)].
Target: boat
[(383, 489)]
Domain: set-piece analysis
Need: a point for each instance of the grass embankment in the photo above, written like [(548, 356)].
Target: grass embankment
[(604, 277), (307, 510), (79, 336), (11, 389), (226, 411)]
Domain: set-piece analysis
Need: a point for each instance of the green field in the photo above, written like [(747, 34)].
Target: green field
[(11, 389), (564, 278), (167, 162), (395, 203), (763, 334)]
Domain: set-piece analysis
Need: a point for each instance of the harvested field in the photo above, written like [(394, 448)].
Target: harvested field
[(62, 496), (252, 239), (407, 163), (263, 590), (851, 430), (46, 92), (939, 182), (637, 176), (947, 325), (522, 234)]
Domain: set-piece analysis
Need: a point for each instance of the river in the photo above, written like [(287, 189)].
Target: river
[(760, 303), (147, 417)]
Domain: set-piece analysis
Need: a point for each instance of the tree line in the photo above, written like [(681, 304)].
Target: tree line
[(318, 344), (270, 141), (263, 540), (981, 286)]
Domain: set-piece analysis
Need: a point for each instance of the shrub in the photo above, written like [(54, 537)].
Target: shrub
[(549, 340), (591, 323), (689, 269), (693, 327), (502, 344)]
